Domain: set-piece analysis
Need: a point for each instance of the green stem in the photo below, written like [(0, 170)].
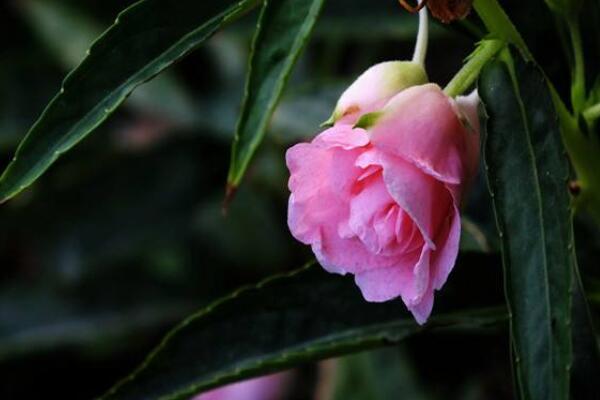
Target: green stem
[(469, 73), (499, 25), (593, 113), (578, 86)]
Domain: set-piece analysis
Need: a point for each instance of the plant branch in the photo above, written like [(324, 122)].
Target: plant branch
[(592, 113), (486, 49), (499, 25), (578, 85)]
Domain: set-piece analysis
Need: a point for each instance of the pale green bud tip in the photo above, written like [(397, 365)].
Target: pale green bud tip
[(366, 121)]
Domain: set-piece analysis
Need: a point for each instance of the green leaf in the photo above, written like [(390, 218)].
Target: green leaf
[(304, 316), (527, 174), (283, 29), (145, 39)]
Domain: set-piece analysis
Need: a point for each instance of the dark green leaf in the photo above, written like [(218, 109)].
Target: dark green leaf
[(282, 322), (527, 173), (283, 29), (144, 40)]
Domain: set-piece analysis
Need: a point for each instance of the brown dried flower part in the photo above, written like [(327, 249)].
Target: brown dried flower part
[(444, 10), (409, 7), (449, 10)]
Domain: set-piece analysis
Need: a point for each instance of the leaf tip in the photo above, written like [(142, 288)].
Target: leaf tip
[(230, 191)]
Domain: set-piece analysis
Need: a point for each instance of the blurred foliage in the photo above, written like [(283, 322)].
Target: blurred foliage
[(124, 235)]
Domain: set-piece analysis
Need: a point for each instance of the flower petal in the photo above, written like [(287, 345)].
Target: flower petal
[(344, 136), (444, 258), (365, 207), (424, 198), (468, 108), (409, 278), (270, 387), (420, 125), (422, 310), (320, 182), (347, 255)]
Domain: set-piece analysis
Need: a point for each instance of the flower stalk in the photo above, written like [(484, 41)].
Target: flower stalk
[(422, 36), (499, 25), (592, 114), (578, 85), (468, 74)]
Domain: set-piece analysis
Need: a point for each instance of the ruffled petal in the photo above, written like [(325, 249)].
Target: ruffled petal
[(321, 180), (408, 236), (408, 278), (347, 255), (425, 199), (344, 136), (442, 263), (422, 310), (444, 258), (365, 208)]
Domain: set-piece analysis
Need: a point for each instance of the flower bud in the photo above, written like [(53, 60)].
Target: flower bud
[(375, 87)]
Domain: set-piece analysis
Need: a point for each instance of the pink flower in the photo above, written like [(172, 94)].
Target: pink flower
[(270, 387), (381, 201)]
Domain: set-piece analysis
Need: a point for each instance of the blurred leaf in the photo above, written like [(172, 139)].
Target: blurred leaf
[(527, 174), (377, 375), (69, 34), (33, 320), (25, 86), (132, 212), (144, 40), (586, 350), (63, 31), (285, 321), (300, 112), (472, 237), (283, 29)]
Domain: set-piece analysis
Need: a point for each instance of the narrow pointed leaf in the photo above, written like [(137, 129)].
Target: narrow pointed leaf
[(145, 39), (527, 173), (283, 29), (68, 33), (293, 319)]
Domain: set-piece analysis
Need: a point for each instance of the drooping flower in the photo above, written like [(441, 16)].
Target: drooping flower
[(270, 387), (377, 195)]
